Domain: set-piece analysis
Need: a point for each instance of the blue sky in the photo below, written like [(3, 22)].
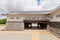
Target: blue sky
[(27, 5)]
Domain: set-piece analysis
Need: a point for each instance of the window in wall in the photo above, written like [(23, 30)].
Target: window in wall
[(29, 17), (37, 18), (26, 17), (57, 16), (17, 17), (51, 17), (12, 17), (33, 18)]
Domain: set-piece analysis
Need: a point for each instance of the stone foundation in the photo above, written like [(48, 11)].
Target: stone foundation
[(54, 28), (14, 26)]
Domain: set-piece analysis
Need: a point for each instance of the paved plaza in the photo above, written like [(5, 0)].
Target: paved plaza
[(27, 35)]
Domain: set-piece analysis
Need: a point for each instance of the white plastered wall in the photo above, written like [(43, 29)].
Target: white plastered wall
[(54, 15), (27, 17)]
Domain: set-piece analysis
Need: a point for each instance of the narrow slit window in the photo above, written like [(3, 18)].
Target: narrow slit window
[(17, 17), (57, 16), (12, 17)]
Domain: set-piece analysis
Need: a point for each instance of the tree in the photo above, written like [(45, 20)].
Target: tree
[(3, 21)]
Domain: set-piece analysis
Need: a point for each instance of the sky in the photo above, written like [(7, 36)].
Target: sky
[(27, 5)]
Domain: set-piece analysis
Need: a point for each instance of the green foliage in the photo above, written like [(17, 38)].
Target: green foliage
[(3, 21)]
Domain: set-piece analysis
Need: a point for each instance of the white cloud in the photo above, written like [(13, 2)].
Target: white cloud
[(31, 5), (28, 5)]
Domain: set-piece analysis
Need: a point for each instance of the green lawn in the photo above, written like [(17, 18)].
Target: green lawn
[(2, 24)]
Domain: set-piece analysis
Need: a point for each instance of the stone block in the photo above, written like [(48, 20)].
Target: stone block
[(14, 26)]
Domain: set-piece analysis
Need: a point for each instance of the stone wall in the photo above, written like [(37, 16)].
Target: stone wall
[(14, 26), (54, 28)]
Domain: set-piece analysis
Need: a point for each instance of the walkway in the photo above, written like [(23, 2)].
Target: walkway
[(27, 35)]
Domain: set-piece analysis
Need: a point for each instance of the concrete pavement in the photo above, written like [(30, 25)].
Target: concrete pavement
[(27, 35)]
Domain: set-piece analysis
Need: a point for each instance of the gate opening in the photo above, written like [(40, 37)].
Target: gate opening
[(35, 24)]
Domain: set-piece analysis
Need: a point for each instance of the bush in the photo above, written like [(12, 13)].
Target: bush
[(3, 21)]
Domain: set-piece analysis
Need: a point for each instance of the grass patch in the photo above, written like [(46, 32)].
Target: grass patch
[(2, 24)]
